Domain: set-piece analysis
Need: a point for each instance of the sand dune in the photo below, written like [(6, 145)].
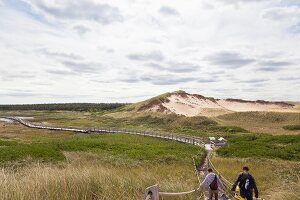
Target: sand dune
[(194, 105)]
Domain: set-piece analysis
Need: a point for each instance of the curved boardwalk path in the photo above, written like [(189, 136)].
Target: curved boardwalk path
[(201, 171), (170, 136)]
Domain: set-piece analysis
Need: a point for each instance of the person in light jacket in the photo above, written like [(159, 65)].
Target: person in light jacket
[(213, 183)]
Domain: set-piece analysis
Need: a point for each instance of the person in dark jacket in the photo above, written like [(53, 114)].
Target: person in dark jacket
[(247, 184)]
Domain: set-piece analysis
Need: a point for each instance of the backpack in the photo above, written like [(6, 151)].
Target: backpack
[(214, 184), (246, 183)]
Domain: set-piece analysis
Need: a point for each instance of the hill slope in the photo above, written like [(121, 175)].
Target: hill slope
[(183, 103)]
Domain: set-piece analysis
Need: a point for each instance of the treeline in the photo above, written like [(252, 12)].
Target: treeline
[(64, 106)]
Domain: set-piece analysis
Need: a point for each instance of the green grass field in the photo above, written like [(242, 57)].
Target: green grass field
[(119, 145)]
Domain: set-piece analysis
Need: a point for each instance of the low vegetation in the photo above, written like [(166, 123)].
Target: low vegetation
[(198, 126), (286, 147), (126, 146)]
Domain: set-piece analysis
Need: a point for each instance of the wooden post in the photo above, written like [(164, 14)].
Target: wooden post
[(153, 190)]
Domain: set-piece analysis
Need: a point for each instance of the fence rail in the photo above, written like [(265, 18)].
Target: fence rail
[(164, 135), (153, 191)]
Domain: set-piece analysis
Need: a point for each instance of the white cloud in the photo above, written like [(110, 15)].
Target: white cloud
[(77, 10), (110, 49), (81, 30), (166, 10), (282, 13)]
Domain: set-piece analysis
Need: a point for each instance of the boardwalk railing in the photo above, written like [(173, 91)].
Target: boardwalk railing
[(164, 135), (153, 192)]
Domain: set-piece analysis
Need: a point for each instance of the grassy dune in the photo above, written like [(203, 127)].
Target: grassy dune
[(276, 179), (262, 122)]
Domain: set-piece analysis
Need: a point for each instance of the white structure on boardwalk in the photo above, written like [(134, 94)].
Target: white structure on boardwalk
[(217, 142)]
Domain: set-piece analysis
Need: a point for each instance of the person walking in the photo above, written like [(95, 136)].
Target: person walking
[(213, 183), (247, 184)]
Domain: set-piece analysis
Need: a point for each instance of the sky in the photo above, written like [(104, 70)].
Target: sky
[(55, 51)]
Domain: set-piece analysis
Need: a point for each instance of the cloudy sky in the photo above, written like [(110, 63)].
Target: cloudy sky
[(130, 50)]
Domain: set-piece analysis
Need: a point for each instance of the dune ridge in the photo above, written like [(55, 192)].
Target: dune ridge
[(183, 103)]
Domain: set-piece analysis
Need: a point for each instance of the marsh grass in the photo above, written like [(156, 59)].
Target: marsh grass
[(128, 146), (85, 176)]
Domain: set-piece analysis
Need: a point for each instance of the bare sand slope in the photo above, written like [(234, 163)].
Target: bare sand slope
[(194, 105)]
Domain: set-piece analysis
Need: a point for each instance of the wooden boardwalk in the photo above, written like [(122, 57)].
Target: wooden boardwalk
[(163, 135), (203, 142)]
